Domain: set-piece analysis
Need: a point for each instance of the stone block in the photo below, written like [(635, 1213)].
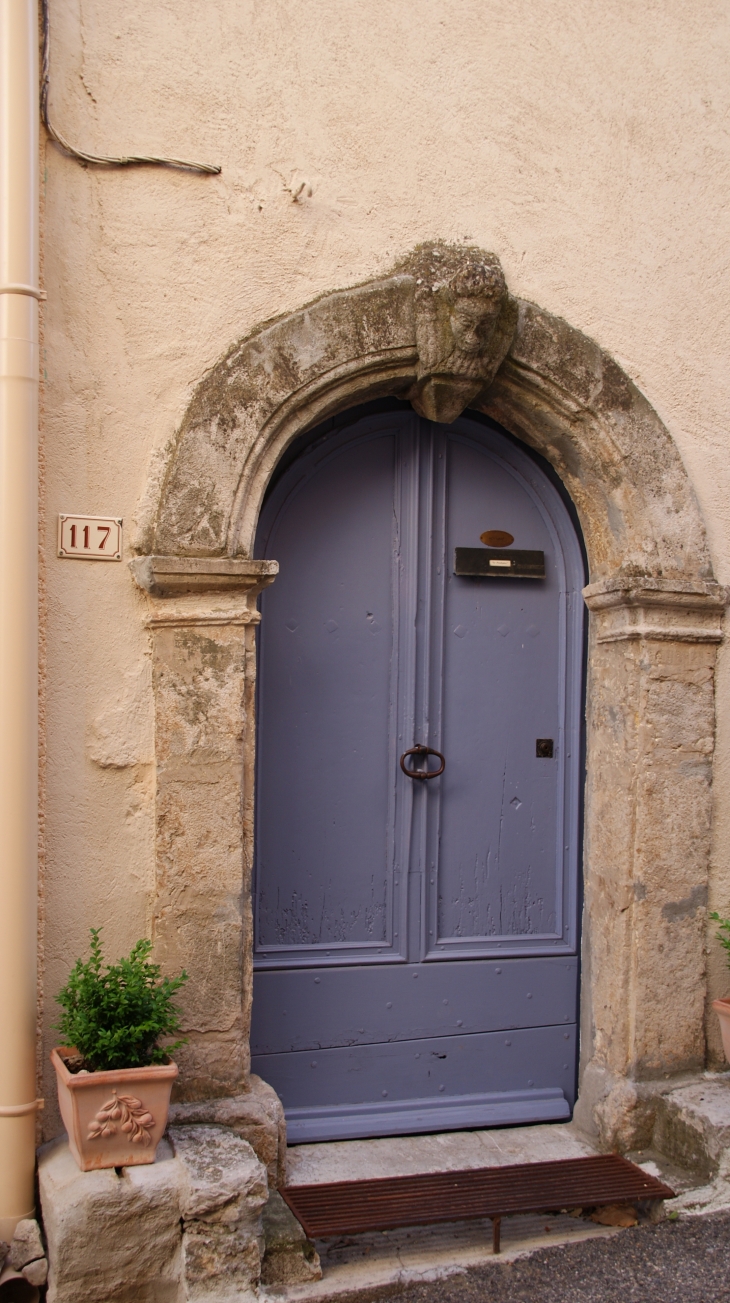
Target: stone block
[(615, 1112), (257, 1116), (223, 1189), (186, 1227), (290, 1257), (36, 1272), (27, 1244), (112, 1237)]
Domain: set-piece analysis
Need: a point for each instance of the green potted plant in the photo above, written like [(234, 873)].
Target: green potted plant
[(722, 1007), (114, 1077)]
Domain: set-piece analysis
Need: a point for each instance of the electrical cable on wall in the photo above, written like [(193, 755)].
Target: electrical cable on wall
[(126, 161)]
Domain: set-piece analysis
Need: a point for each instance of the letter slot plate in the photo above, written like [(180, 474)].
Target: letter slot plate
[(489, 563)]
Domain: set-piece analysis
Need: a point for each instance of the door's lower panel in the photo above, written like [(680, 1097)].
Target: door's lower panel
[(419, 1116), (295, 1009), (425, 1085)]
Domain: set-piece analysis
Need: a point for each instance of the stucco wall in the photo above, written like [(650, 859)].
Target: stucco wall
[(584, 143)]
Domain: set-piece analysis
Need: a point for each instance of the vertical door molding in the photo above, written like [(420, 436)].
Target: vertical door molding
[(202, 620)]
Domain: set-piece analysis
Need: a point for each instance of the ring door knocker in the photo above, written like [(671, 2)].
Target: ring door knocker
[(423, 752)]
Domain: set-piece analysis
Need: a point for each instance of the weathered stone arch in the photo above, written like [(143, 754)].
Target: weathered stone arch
[(556, 389), (656, 619)]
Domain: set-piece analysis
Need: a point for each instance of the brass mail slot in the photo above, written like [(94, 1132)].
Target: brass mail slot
[(489, 563)]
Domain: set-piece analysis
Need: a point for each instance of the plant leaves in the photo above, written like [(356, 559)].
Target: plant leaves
[(116, 1014)]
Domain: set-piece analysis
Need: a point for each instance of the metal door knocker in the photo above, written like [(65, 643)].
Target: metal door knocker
[(423, 752)]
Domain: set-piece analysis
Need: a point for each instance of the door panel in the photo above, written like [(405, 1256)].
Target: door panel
[(504, 875), (395, 916), (441, 1070), (451, 999), (325, 803)]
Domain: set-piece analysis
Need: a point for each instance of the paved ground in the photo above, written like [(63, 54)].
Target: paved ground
[(675, 1262), (545, 1259)]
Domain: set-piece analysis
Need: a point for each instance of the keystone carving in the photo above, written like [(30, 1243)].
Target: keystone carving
[(465, 324)]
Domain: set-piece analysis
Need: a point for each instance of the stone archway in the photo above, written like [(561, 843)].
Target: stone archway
[(443, 332)]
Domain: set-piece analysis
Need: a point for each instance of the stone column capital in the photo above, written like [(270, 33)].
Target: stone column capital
[(630, 608), (190, 591)]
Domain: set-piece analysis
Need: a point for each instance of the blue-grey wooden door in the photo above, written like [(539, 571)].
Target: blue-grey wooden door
[(416, 941)]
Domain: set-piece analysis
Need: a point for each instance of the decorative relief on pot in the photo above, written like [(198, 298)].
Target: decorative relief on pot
[(123, 1112), (465, 324)]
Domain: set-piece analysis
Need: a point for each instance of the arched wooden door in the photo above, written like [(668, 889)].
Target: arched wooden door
[(416, 938)]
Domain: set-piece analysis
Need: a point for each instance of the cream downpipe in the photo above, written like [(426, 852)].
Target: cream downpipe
[(18, 604)]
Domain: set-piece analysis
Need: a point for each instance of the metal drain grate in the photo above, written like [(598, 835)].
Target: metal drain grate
[(351, 1207)]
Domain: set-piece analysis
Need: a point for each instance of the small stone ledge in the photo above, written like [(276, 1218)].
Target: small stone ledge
[(625, 590), (665, 610), (175, 576), (186, 1227)]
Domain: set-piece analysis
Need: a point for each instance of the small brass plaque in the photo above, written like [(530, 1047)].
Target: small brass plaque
[(496, 538), (483, 563)]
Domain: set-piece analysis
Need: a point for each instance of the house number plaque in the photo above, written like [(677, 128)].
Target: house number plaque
[(90, 538)]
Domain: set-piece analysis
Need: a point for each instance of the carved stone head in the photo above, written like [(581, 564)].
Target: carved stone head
[(465, 323)]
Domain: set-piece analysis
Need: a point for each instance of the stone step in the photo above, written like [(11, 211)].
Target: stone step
[(690, 1144), (692, 1126), (353, 1266)]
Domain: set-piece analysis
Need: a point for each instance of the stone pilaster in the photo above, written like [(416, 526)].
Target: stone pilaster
[(650, 737), (202, 619)]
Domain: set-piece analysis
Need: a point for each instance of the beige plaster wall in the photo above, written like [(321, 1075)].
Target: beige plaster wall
[(584, 142)]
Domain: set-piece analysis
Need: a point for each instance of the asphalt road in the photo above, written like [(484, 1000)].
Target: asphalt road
[(675, 1262)]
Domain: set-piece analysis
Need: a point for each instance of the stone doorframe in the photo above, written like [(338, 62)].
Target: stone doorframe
[(443, 332)]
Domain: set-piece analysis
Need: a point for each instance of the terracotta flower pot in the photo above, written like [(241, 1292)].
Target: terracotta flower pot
[(113, 1119), (722, 1009)]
